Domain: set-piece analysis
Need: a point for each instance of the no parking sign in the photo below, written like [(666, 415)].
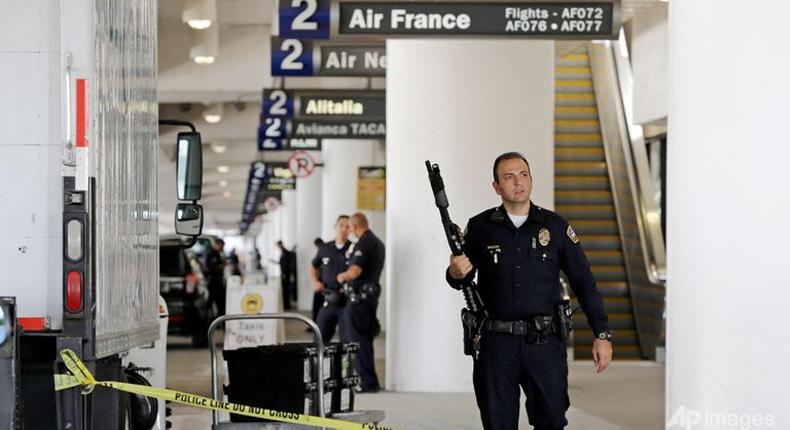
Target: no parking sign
[(301, 164)]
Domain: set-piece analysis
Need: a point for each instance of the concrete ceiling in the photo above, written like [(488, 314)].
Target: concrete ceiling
[(236, 79)]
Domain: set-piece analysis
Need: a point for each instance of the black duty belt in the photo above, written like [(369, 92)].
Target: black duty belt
[(536, 329)]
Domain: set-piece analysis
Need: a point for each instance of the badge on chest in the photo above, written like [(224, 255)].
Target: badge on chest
[(544, 237)]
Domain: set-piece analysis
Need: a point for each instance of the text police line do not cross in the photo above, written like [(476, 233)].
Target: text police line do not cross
[(322, 19)]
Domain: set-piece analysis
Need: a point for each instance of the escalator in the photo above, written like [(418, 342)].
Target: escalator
[(584, 196)]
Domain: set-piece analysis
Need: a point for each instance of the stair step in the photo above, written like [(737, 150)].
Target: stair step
[(586, 212), (579, 154), (609, 273), (594, 182), (616, 321), (572, 73), (570, 126), (616, 305), (585, 227), (603, 257), (571, 99), (603, 241), (575, 112), (579, 168), (590, 197), (613, 288)]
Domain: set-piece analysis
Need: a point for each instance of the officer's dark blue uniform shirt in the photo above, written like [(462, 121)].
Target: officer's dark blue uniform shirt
[(330, 260), (368, 254), (518, 269)]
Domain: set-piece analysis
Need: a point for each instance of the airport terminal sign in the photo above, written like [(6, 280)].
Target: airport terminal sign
[(323, 104), (550, 19), (296, 57), (351, 19)]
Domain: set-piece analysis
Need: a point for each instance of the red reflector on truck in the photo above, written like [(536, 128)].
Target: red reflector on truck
[(32, 323), (74, 291)]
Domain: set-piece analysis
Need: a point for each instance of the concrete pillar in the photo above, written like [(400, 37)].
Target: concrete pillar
[(308, 227), (339, 190), (288, 211), (727, 209), (459, 103)]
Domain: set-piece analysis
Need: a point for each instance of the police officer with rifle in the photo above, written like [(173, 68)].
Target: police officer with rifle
[(516, 323)]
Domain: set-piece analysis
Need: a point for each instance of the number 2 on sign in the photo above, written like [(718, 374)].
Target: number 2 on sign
[(278, 98), (273, 126), (301, 21), (294, 48)]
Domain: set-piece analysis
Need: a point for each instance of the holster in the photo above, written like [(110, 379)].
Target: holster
[(332, 296), (563, 319), (471, 325)]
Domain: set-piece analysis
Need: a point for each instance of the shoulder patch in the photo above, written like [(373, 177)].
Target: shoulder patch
[(572, 234)]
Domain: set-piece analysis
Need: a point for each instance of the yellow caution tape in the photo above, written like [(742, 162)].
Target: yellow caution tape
[(81, 376)]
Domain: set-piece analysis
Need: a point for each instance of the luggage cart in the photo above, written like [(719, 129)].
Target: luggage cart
[(356, 416)]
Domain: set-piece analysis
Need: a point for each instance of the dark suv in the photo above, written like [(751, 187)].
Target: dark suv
[(183, 288)]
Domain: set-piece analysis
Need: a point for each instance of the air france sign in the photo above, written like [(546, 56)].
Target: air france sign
[(593, 19), (478, 19)]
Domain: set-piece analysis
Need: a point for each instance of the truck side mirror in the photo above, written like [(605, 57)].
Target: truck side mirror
[(189, 166), (189, 219)]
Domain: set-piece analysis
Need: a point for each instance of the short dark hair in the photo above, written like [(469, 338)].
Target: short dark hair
[(509, 156), (318, 241), (341, 217)]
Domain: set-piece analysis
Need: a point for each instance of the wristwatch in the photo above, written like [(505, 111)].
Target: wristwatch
[(605, 335)]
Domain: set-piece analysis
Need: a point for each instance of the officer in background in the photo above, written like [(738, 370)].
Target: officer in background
[(214, 270), (359, 320), (328, 262), (518, 250), (287, 262), (318, 296)]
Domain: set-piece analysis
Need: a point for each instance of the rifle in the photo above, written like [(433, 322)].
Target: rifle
[(474, 313)]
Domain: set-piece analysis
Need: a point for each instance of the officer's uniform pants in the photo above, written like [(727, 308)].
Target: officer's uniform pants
[(357, 320), (328, 319), (508, 362)]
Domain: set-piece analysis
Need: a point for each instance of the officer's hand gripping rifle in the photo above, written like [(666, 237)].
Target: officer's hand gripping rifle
[(476, 311)]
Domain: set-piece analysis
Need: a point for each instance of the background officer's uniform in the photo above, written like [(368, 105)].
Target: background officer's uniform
[(518, 272), (359, 320), (330, 260)]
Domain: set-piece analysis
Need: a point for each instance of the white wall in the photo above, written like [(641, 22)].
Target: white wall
[(649, 55), (458, 103), (727, 210)]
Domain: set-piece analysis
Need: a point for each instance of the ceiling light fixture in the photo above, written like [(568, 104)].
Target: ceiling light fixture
[(218, 148), (223, 183), (205, 45), (199, 14), (226, 194), (213, 113), (223, 169)]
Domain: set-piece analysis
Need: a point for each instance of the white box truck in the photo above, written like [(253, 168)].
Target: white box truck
[(79, 233)]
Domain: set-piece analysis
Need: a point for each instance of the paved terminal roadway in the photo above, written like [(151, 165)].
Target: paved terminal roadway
[(630, 395)]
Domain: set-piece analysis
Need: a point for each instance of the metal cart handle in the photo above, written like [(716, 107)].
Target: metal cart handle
[(317, 340)]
